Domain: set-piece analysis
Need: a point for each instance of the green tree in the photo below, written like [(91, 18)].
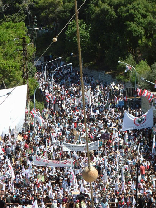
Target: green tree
[(52, 18), (48, 12), (122, 28), (107, 32), (143, 69), (13, 10), (13, 53), (139, 20), (152, 78), (121, 73), (71, 39), (111, 28)]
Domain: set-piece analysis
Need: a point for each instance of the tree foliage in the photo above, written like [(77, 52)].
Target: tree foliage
[(110, 30), (12, 52), (71, 35)]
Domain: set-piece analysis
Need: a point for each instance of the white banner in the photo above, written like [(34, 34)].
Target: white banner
[(51, 163), (130, 122), (80, 147), (12, 108)]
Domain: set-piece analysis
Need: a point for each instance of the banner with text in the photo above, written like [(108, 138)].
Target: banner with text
[(130, 122), (51, 163), (80, 147)]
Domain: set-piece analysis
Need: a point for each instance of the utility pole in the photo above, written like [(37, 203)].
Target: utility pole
[(25, 70), (137, 169), (25, 73)]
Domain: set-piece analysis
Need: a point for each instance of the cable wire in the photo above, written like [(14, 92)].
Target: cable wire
[(62, 30), (8, 94)]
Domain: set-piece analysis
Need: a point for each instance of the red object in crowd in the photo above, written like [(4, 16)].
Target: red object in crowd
[(26, 146), (75, 125), (142, 169), (25, 136)]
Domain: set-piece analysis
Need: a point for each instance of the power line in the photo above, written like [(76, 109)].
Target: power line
[(62, 30), (147, 80), (52, 41), (142, 78), (5, 6), (28, 3), (8, 94)]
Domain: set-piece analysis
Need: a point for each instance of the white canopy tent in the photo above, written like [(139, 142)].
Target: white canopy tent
[(12, 108)]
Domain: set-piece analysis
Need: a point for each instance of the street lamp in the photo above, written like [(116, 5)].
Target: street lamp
[(45, 72), (137, 169), (35, 29), (70, 64), (129, 67), (57, 59), (52, 81), (34, 107)]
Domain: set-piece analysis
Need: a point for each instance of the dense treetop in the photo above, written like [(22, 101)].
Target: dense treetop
[(110, 30)]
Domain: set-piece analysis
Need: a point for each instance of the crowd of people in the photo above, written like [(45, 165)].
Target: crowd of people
[(125, 160)]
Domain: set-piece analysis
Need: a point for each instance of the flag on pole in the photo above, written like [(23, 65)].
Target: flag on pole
[(122, 175), (123, 200), (47, 99), (145, 93), (88, 97), (37, 116), (115, 99), (126, 138), (125, 98), (133, 202), (128, 67), (40, 119), (139, 91), (11, 169), (26, 110), (150, 97), (33, 112)]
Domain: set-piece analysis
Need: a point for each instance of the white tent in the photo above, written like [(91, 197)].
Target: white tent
[(12, 108)]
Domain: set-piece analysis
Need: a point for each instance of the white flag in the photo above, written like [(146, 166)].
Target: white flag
[(153, 146), (43, 205), (39, 119), (35, 205), (88, 97), (130, 122), (11, 169), (133, 202), (1, 151), (126, 138), (122, 175)]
